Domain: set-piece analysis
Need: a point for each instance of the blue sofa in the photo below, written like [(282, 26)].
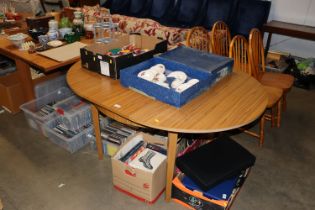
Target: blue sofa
[(175, 17), (240, 15)]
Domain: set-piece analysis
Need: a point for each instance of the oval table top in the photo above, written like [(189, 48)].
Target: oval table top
[(235, 101)]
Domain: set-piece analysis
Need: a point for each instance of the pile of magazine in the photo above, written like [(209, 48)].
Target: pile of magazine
[(143, 155)]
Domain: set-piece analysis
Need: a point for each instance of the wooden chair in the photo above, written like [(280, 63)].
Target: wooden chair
[(51, 3), (220, 39), (198, 38), (242, 63), (273, 79)]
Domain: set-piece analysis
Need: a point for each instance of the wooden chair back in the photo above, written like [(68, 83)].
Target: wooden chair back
[(52, 3), (239, 52), (256, 51), (220, 39), (198, 38)]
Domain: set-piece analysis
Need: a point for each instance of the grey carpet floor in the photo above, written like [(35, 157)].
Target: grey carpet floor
[(35, 174)]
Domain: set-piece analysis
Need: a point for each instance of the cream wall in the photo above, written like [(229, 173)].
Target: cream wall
[(294, 11)]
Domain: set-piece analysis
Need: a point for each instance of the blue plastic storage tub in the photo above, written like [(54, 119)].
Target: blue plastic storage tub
[(129, 78)]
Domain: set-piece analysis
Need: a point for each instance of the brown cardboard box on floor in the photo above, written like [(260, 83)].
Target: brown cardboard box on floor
[(142, 184), (11, 93)]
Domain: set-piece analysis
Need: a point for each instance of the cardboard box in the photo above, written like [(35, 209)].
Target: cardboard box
[(11, 92), (194, 199), (142, 184), (94, 58), (129, 78), (276, 62), (37, 22)]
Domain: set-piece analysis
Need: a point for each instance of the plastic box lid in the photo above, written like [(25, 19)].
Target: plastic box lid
[(195, 58)]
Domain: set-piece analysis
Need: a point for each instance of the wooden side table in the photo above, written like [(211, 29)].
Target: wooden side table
[(287, 29)]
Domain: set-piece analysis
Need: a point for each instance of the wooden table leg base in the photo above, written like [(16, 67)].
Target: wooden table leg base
[(97, 130)]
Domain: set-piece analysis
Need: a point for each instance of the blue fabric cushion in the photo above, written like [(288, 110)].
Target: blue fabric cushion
[(188, 12), (250, 14), (119, 7), (160, 8), (218, 10), (139, 8)]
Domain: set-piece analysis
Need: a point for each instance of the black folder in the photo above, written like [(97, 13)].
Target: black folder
[(214, 162)]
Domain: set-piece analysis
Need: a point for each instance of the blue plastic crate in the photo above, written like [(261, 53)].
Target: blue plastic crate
[(217, 66), (130, 79)]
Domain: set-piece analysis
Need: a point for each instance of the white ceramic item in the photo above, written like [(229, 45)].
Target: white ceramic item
[(55, 43), (176, 83), (178, 75), (64, 31), (53, 25), (159, 78), (185, 86), (146, 74), (18, 39), (158, 68)]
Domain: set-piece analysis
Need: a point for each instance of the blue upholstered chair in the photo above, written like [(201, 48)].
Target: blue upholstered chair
[(218, 10), (189, 13), (118, 6), (249, 14), (140, 8), (162, 11)]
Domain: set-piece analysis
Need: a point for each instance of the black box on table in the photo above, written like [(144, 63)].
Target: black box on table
[(95, 58)]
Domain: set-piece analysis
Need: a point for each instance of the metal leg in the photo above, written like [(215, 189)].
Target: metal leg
[(268, 44), (171, 155)]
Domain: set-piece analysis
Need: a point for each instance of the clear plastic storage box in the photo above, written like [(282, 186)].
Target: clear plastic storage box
[(49, 86), (70, 143), (40, 110), (74, 113)]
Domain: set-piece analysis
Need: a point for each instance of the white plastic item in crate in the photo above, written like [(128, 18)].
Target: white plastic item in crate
[(32, 108), (49, 86), (72, 144), (74, 113)]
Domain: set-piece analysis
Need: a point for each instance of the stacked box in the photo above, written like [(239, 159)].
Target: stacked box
[(49, 86), (41, 110), (72, 128), (197, 199), (70, 140), (136, 178), (74, 113)]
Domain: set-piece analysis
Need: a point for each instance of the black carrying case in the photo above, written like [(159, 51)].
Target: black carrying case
[(214, 162)]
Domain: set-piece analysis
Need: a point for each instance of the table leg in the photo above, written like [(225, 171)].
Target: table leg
[(25, 79), (268, 44), (97, 130), (171, 155)]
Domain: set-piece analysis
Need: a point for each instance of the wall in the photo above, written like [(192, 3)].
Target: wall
[(294, 11)]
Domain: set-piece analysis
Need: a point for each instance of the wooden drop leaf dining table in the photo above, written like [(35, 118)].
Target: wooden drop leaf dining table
[(235, 101)]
